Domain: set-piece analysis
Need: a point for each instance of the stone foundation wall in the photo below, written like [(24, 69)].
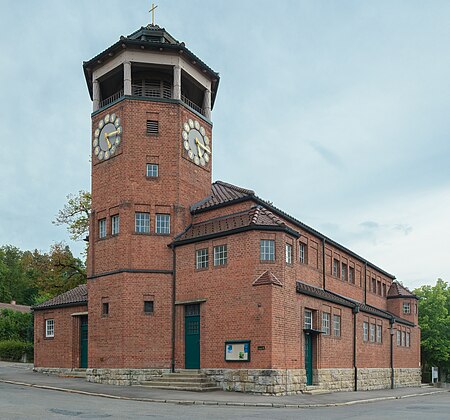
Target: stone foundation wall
[(259, 381), (374, 378), (58, 371), (407, 377), (335, 379), (122, 376)]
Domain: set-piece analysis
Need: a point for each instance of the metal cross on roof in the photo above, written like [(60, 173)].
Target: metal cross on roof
[(153, 13)]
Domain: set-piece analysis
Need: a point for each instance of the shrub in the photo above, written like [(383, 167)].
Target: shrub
[(13, 350), (16, 325)]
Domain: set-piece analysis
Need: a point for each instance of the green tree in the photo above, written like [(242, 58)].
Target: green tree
[(434, 321), (16, 325), (75, 215)]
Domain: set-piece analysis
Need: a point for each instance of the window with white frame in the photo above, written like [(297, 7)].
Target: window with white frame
[(335, 268), (115, 224), (152, 170), (163, 224), (372, 333), (49, 327), (201, 258), (366, 331), (337, 325), (379, 333), (220, 255), (102, 228), (399, 338), (406, 308), (142, 222), (403, 338), (302, 253), (408, 339), (308, 324), (267, 250), (344, 272), (326, 323), (288, 254)]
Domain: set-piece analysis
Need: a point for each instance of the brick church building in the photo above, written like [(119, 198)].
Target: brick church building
[(186, 273)]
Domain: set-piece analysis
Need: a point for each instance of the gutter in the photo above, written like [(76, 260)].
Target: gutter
[(391, 322), (355, 312), (174, 283), (324, 272)]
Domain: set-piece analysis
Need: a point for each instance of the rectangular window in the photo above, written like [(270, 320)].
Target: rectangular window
[(148, 306), (152, 127), (220, 255), (142, 222), (163, 224), (379, 333), (379, 287), (384, 289), (408, 339), (399, 338), (344, 272), (351, 275), (326, 323), (201, 258), (335, 268), (374, 286), (337, 325), (406, 308), (288, 254), (49, 327), (102, 228), (267, 250), (105, 308), (302, 253), (372, 333), (152, 170), (115, 225), (403, 338), (366, 331), (308, 320)]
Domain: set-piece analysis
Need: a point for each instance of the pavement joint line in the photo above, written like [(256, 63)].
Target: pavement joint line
[(223, 403)]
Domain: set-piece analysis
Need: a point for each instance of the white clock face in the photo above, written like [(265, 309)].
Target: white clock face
[(196, 143), (107, 137)]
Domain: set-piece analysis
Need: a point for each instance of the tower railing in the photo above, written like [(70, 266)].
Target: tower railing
[(193, 105), (111, 99)]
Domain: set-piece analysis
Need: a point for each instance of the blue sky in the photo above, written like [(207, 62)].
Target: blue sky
[(336, 111)]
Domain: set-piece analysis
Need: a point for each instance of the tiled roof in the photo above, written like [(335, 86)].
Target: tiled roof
[(77, 295), (222, 193), (15, 307), (256, 217), (307, 289), (267, 278), (397, 291)]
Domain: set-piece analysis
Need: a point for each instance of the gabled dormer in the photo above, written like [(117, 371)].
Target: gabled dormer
[(402, 302)]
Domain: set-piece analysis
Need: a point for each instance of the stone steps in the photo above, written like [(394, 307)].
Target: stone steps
[(182, 381), (315, 390)]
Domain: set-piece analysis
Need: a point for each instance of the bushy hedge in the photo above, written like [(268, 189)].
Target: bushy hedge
[(16, 326), (13, 350)]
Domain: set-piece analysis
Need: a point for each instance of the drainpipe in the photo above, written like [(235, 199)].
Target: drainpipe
[(392, 331), (365, 282), (324, 266), (355, 311), (174, 282)]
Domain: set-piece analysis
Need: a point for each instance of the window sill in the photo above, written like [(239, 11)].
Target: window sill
[(152, 178), (220, 266), (267, 261), (201, 268), (49, 338)]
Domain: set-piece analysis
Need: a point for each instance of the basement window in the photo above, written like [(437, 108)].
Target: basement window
[(152, 127)]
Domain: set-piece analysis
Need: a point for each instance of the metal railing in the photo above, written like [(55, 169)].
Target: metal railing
[(193, 105), (111, 98)]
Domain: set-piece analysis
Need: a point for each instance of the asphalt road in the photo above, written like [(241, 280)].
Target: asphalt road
[(21, 402)]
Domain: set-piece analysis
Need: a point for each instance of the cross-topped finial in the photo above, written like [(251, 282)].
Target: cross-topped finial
[(153, 13)]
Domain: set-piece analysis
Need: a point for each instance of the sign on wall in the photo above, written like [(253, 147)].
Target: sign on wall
[(237, 351)]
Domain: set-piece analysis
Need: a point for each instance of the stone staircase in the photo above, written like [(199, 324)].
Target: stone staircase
[(183, 380), (315, 390), (74, 373)]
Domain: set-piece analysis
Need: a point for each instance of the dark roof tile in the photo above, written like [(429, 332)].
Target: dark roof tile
[(267, 278), (74, 296), (397, 291)]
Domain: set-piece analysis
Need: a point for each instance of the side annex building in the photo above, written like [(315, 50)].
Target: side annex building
[(184, 273)]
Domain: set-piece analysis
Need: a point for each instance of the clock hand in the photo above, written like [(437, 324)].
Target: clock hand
[(107, 141), (200, 154), (111, 133), (204, 147)]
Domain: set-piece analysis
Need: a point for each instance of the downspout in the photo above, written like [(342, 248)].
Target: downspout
[(355, 311), (174, 282), (324, 282), (365, 282), (391, 321)]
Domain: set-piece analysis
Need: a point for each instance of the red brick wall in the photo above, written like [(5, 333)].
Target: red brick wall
[(63, 350)]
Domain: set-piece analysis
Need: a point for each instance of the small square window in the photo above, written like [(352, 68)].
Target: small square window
[(220, 255), (267, 250), (308, 325), (115, 225), (105, 308), (201, 258), (337, 325), (152, 170), (102, 228), (288, 254), (148, 306), (49, 328), (335, 267), (142, 222), (406, 308), (302, 253), (163, 224), (326, 323), (152, 127)]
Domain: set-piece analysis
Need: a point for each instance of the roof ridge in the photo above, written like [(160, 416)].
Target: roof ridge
[(235, 187)]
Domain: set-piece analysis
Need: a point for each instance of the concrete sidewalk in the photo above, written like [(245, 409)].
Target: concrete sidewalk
[(22, 374)]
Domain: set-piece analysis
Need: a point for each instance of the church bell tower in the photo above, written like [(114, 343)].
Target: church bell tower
[(151, 160)]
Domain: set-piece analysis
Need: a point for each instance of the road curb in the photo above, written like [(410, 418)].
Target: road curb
[(221, 403)]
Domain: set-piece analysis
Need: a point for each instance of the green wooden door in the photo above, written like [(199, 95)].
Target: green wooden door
[(192, 336), (308, 359), (84, 342)]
